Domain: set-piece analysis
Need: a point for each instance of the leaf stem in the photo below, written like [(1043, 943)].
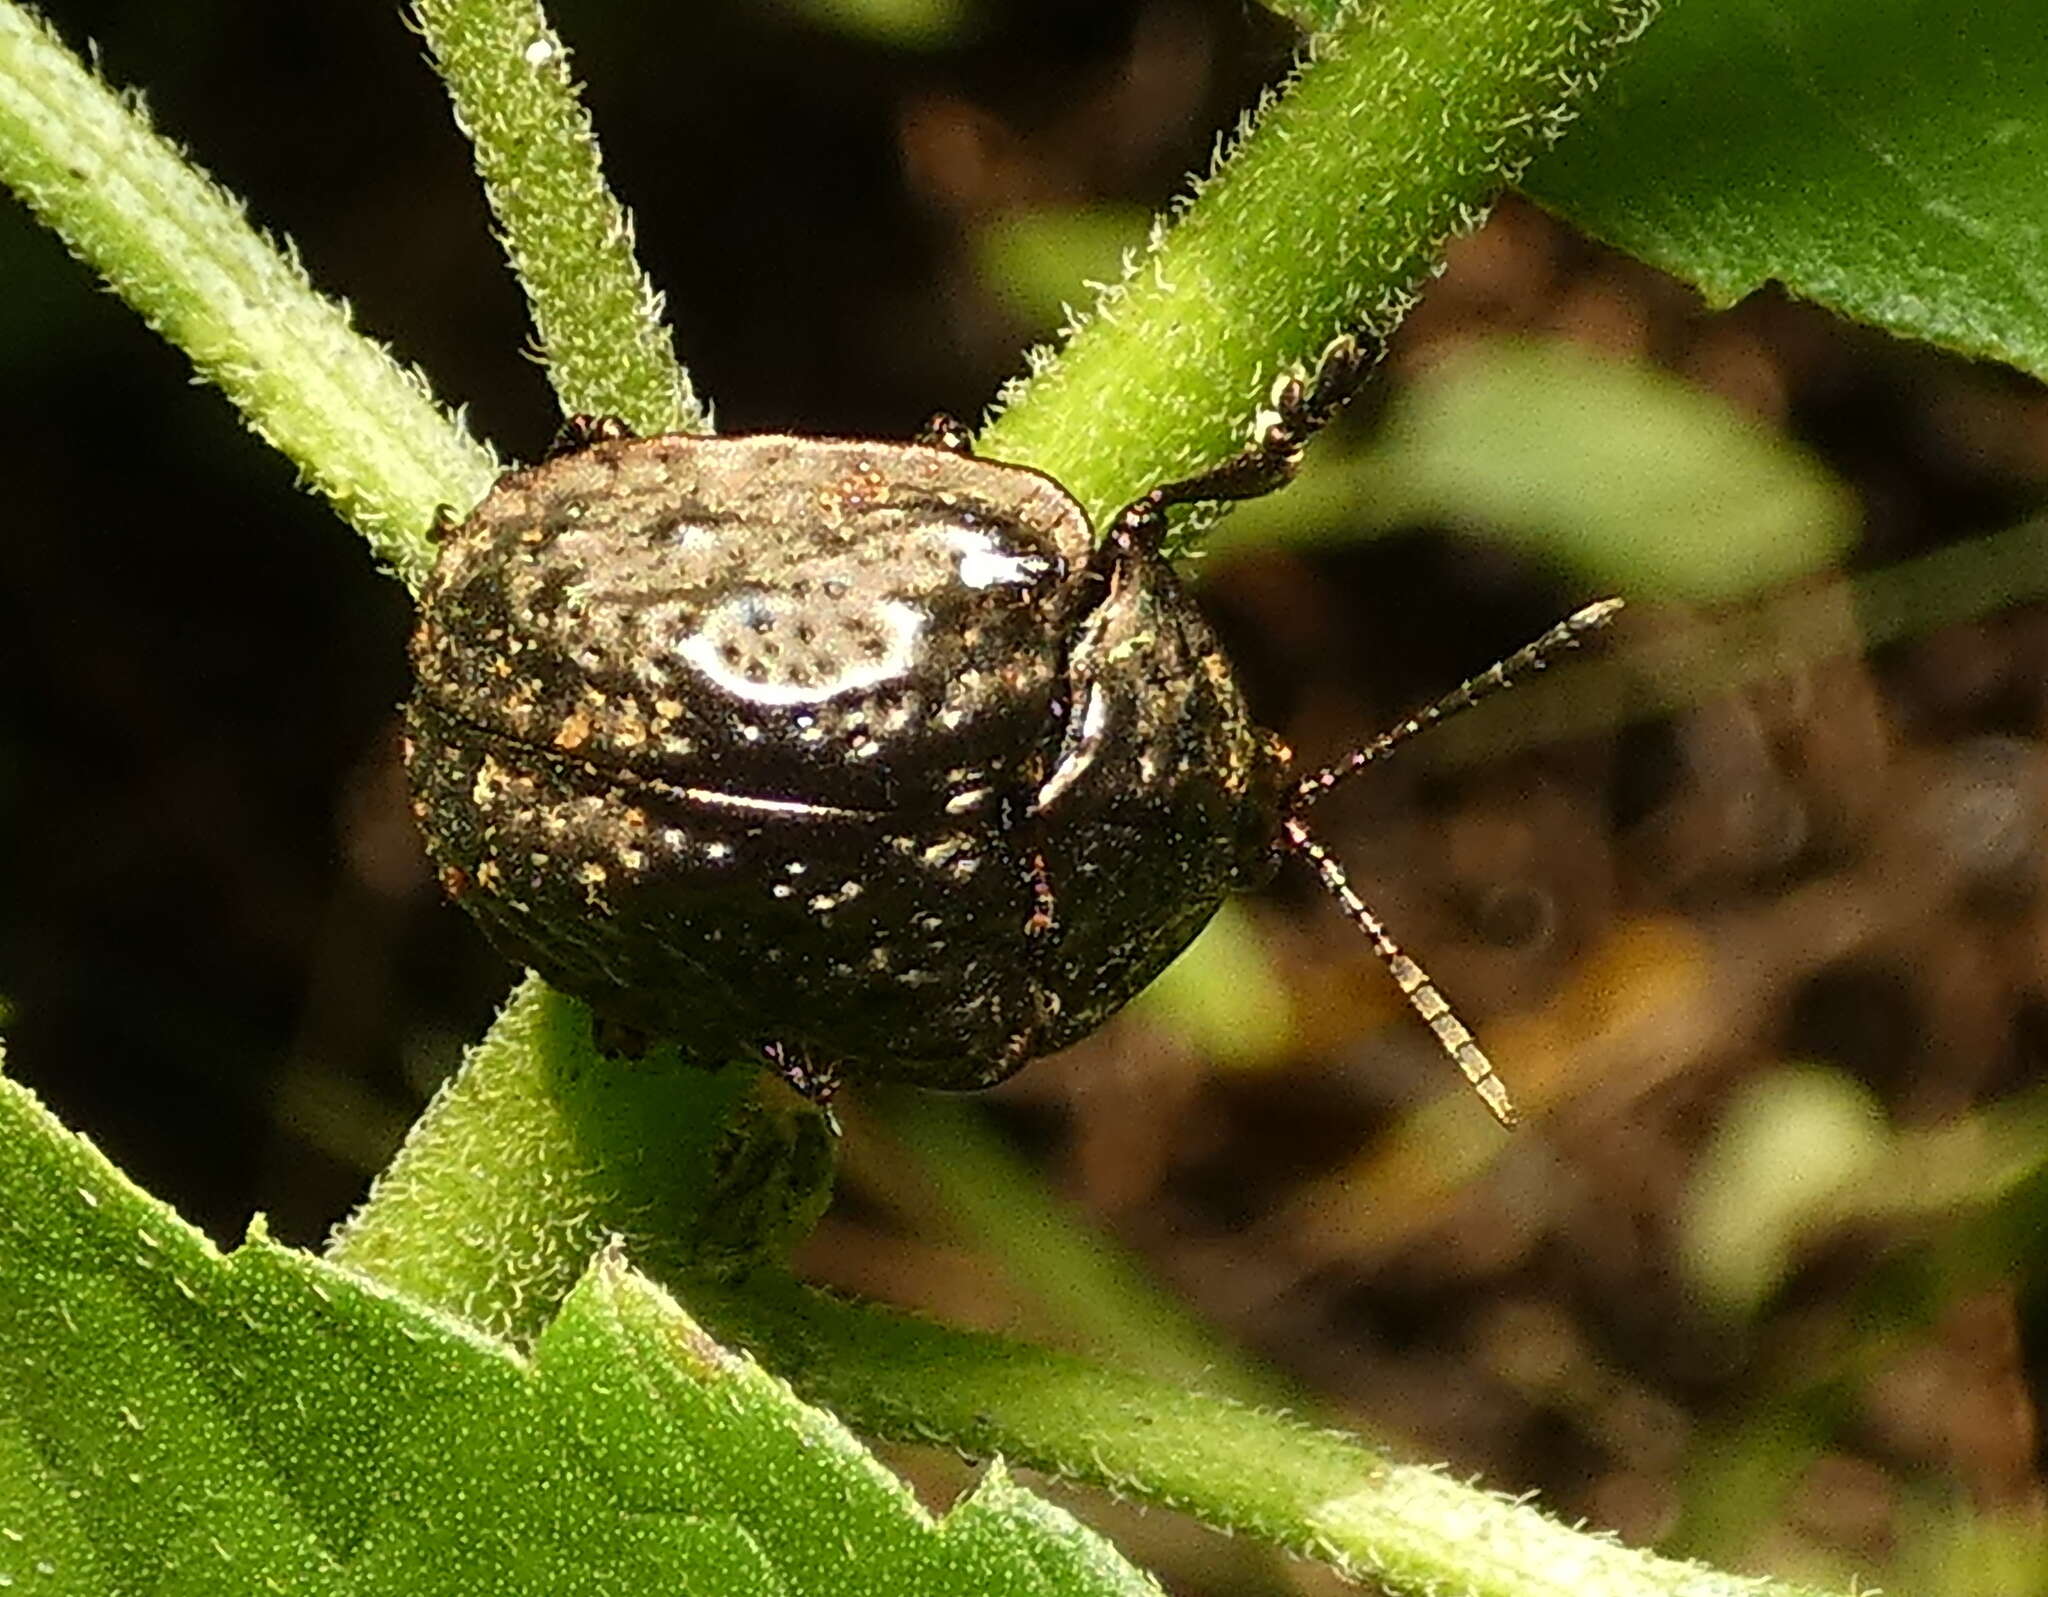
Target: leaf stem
[(1313, 1492), (542, 1150), (1090, 1287), (569, 239), (1403, 123), (362, 428)]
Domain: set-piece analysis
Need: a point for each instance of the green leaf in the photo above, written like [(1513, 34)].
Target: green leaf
[(1041, 263), (1620, 471), (174, 1419), (1793, 1143), (1883, 157), (901, 24)]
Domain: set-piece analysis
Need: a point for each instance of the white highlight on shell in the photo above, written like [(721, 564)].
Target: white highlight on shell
[(765, 806), (984, 565), (734, 633), (1094, 717)]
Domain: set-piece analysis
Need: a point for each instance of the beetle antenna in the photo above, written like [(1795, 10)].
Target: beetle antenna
[(1410, 977), (1525, 661)]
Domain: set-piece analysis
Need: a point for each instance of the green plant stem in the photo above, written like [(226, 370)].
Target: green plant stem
[(571, 242), (1403, 125), (542, 1150), (1675, 668), (362, 428), (1314, 1492), (1984, 1180), (996, 1202)]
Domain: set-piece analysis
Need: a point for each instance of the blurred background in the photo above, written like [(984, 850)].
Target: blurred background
[(1747, 901)]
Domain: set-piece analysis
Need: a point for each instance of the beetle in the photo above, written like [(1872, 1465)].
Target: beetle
[(865, 759)]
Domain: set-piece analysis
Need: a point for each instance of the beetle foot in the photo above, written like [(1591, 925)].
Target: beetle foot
[(814, 1083), (1040, 922), (580, 431), (1300, 410), (943, 431), (1027, 1042), (445, 520)]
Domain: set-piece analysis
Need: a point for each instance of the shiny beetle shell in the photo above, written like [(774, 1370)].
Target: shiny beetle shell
[(855, 749)]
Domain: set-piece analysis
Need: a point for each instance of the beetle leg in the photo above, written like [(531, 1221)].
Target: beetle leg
[(943, 431), (814, 1083), (1023, 1046), (1300, 411), (446, 519), (579, 432), (1041, 918)]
